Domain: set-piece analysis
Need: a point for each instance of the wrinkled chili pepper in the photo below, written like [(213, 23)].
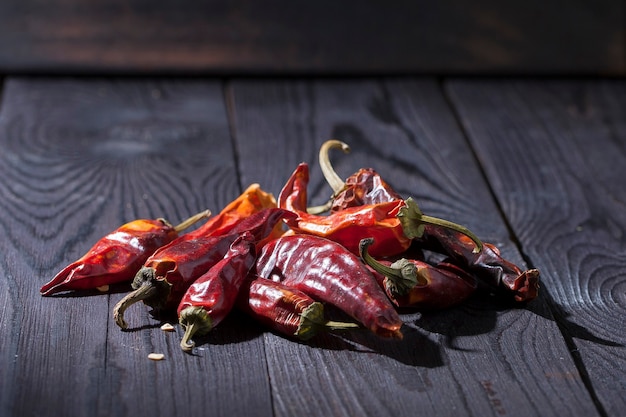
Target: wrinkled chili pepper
[(167, 274), (212, 296), (497, 273), (417, 284), (364, 187), (251, 201), (393, 224), (286, 310), (328, 272), (116, 257)]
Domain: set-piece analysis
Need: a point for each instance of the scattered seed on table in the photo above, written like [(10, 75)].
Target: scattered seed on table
[(156, 356), (167, 327)]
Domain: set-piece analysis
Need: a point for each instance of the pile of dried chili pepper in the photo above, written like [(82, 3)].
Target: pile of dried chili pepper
[(366, 187), (285, 263)]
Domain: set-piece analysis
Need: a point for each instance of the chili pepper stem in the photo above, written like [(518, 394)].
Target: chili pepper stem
[(321, 208), (334, 180), (145, 291), (401, 276), (192, 220), (312, 321), (413, 222), (196, 321)]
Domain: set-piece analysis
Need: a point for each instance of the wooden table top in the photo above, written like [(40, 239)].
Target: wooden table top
[(535, 166)]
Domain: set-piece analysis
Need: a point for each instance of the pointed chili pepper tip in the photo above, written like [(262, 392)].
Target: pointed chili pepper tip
[(413, 222), (196, 321)]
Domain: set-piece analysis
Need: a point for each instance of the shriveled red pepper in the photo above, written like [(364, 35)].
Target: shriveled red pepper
[(251, 201), (363, 187), (417, 284), (168, 273), (393, 224), (213, 295), (116, 257), (497, 273), (328, 272), (286, 310)]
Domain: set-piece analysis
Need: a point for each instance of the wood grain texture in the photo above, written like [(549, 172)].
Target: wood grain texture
[(81, 157), (280, 37), (555, 155), (477, 359)]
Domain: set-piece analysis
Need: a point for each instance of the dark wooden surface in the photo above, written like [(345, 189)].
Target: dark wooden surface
[(281, 36), (535, 166)]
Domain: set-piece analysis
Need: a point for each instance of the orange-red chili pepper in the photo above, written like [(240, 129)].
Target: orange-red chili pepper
[(116, 257), (168, 273), (286, 310), (417, 284), (213, 295), (328, 272), (251, 201), (393, 224)]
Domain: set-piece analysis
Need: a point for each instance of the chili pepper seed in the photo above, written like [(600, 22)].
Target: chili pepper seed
[(167, 327), (156, 356)]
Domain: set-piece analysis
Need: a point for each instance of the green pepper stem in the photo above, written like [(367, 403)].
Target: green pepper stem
[(196, 321), (145, 291), (413, 222), (321, 208), (401, 276), (334, 180), (192, 220), (312, 321)]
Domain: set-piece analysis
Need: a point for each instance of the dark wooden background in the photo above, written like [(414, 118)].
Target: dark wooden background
[(281, 36), (508, 117)]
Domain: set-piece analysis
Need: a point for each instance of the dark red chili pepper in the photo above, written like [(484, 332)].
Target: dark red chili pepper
[(212, 296), (286, 310), (488, 265), (328, 272), (498, 274), (393, 224), (415, 283), (167, 274), (116, 257), (364, 187)]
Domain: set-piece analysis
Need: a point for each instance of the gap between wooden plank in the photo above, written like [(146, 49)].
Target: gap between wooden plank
[(565, 326)]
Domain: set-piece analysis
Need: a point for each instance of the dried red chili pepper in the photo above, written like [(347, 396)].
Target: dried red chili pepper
[(393, 224), (212, 296), (251, 201), (328, 272), (116, 257), (488, 265), (363, 187), (418, 284), (167, 274), (498, 274), (286, 310)]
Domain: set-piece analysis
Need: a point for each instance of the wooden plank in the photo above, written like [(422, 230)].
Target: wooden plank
[(278, 37), (477, 359), (554, 153), (79, 158)]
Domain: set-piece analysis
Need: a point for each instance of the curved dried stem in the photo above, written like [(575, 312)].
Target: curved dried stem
[(334, 180), (192, 220)]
